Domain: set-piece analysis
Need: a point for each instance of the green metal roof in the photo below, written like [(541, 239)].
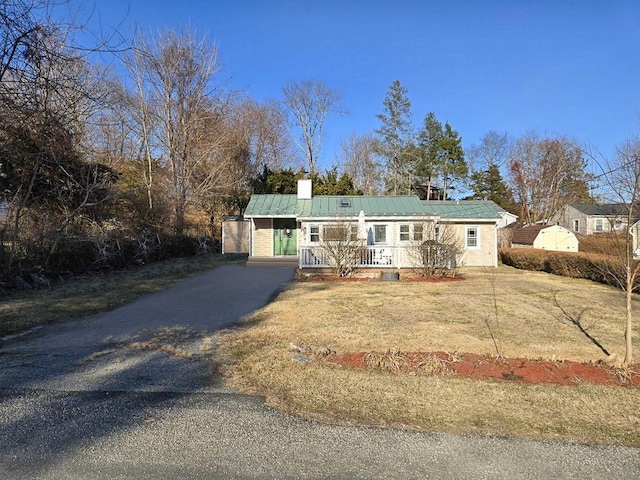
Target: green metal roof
[(334, 206), (463, 210), (270, 206), (389, 206)]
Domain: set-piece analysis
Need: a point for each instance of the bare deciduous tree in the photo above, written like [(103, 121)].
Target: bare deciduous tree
[(266, 131), (310, 102), (360, 162), (492, 150), (186, 121), (547, 174), (621, 178), (48, 94)]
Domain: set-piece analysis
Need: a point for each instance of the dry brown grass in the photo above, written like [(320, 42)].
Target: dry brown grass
[(86, 295), (390, 316)]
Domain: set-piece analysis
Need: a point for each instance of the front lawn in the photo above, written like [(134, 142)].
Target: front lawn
[(500, 312)]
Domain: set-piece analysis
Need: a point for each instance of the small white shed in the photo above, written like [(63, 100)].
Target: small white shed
[(553, 237)]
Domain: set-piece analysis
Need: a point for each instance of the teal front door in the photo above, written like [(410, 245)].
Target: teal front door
[(284, 236)]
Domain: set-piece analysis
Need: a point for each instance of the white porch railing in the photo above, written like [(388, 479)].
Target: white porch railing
[(362, 257)]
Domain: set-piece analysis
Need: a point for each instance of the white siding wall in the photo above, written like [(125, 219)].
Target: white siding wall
[(486, 253)]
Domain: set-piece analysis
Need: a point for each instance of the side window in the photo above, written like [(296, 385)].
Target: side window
[(354, 233), (314, 233), (404, 232), (473, 237), (598, 224), (418, 232), (380, 233), (334, 233), (576, 225)]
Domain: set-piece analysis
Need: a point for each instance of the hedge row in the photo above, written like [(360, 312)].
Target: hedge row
[(598, 268), (79, 256)]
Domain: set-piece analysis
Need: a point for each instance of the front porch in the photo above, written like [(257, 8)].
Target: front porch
[(361, 257)]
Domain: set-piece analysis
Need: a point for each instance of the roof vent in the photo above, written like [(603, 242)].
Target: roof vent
[(345, 202)]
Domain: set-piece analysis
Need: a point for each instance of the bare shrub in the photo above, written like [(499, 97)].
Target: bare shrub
[(434, 252), (342, 247)]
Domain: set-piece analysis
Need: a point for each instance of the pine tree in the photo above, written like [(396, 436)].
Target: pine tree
[(395, 135), (441, 155), (489, 185)]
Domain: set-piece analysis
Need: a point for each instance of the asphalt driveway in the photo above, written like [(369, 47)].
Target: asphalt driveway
[(146, 345), (130, 394)]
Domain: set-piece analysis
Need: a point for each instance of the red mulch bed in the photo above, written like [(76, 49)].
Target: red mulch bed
[(485, 367)]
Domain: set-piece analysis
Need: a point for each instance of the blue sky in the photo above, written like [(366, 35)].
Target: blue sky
[(556, 67)]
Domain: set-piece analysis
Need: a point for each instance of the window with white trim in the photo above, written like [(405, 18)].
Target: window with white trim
[(599, 224), (405, 232), (334, 233), (314, 233), (472, 237), (380, 234), (411, 231), (354, 232), (418, 232), (576, 225)]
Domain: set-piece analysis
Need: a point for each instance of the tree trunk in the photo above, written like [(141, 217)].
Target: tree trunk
[(628, 331)]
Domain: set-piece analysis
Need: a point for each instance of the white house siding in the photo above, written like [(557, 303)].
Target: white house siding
[(393, 229), (635, 234), (486, 255), (587, 224), (566, 217), (607, 224), (507, 219), (262, 239)]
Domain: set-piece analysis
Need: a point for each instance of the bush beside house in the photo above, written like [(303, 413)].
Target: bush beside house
[(595, 267)]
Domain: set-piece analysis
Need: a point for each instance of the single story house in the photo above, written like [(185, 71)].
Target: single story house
[(545, 237), (587, 219), (384, 228)]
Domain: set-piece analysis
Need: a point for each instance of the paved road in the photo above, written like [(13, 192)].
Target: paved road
[(129, 395)]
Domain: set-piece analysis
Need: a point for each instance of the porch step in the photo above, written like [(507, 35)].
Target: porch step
[(284, 262)]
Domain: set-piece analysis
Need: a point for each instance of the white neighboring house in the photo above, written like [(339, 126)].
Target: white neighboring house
[(587, 219)]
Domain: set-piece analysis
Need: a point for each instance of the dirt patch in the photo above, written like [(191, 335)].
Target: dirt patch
[(484, 367)]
